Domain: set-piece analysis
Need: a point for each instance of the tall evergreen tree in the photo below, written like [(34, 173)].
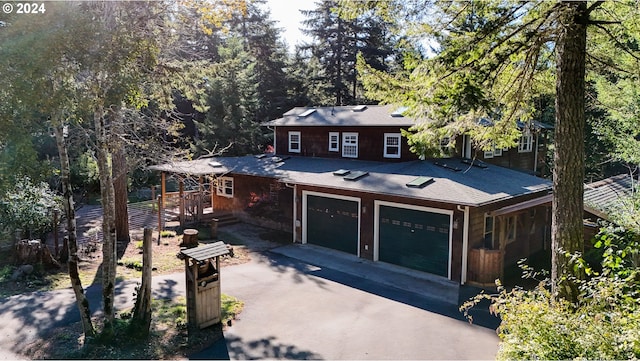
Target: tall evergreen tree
[(337, 41), (495, 57), (232, 103)]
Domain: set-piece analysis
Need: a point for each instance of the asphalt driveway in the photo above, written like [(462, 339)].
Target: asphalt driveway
[(296, 309), (300, 303)]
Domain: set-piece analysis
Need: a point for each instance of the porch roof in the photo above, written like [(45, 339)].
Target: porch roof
[(453, 181)]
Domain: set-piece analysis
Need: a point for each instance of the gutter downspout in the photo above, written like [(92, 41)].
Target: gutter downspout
[(535, 158), (465, 243)]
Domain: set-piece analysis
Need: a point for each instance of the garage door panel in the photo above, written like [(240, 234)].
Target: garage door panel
[(414, 239), (333, 223)]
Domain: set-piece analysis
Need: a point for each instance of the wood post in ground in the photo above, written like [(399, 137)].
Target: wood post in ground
[(142, 312), (160, 211)]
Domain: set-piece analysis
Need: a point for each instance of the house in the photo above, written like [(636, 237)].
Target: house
[(601, 197), (343, 178)]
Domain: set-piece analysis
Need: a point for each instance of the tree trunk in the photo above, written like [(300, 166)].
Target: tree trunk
[(70, 214), (109, 258), (568, 175), (121, 196), (141, 320)]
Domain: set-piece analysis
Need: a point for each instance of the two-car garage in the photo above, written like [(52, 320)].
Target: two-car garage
[(405, 235)]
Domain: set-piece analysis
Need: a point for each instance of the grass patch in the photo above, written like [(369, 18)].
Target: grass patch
[(131, 263), (139, 244), (167, 233), (231, 308), (169, 336)]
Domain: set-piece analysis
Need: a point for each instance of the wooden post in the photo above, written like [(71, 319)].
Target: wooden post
[(142, 313), (213, 192), (160, 217), (153, 193), (181, 202), (163, 188), (200, 195)]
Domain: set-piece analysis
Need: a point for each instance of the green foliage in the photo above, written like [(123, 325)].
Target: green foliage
[(166, 234), (231, 307), (5, 272), (131, 263), (29, 206), (603, 324)]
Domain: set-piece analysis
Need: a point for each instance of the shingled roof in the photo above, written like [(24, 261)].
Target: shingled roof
[(602, 196), (352, 115), (452, 180)]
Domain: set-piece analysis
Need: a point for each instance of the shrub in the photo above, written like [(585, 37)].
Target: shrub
[(603, 324), (29, 206)]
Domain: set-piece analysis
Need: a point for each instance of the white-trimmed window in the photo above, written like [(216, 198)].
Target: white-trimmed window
[(494, 152), (350, 145), (488, 154), (334, 141), (525, 144), (294, 142), (497, 152), (392, 145), (224, 187)]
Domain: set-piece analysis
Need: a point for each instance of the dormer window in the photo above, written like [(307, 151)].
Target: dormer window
[(392, 145), (294, 142)]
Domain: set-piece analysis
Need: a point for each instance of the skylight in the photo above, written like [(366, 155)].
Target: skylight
[(399, 113), (306, 113), (419, 182), (354, 176), (341, 172), (215, 164), (359, 108)]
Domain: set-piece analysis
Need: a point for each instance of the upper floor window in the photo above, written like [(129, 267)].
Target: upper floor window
[(350, 145), (334, 141), (224, 187), (294, 142), (493, 152), (526, 143), (392, 145)]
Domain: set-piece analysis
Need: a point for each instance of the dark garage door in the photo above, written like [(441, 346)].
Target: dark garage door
[(414, 239), (333, 223)]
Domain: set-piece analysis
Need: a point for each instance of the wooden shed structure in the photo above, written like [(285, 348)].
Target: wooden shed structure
[(202, 268)]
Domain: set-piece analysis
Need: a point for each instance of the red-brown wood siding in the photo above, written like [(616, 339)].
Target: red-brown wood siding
[(367, 221), (512, 158), (314, 142)]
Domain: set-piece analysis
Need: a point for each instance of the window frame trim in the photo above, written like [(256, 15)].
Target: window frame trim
[(357, 144), (298, 133), (221, 187), (385, 152), (337, 147)]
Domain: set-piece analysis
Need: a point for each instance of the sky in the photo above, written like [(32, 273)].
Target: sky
[(287, 13)]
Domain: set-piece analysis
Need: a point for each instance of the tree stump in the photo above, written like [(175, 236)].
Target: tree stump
[(34, 252), (189, 238)]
